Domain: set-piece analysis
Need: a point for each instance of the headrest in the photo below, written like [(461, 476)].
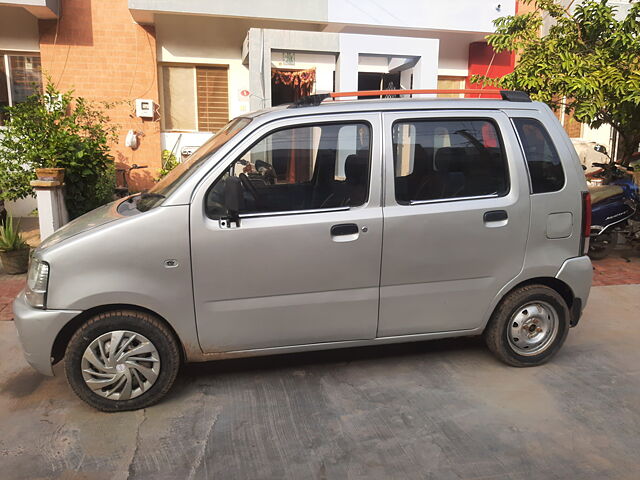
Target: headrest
[(356, 168), (450, 159)]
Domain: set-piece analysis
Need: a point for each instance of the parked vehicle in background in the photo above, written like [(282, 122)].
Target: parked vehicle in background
[(615, 200), (322, 226)]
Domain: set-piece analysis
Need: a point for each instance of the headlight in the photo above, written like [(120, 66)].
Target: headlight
[(37, 282)]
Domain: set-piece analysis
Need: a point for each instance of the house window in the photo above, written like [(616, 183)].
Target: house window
[(194, 97), (20, 76), (450, 83)]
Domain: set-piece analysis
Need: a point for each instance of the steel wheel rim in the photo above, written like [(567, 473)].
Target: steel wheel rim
[(120, 365), (533, 328)]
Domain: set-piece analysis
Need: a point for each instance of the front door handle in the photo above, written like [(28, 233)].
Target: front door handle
[(495, 216), (342, 229)]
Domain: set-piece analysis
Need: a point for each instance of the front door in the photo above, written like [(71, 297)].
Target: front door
[(303, 265), (456, 219)]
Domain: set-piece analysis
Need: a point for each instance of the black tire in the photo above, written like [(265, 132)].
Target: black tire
[(496, 334), (139, 323), (601, 246)]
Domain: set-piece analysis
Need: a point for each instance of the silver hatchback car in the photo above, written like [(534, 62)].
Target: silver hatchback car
[(316, 227)]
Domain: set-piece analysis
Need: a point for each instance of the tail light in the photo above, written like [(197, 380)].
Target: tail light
[(586, 223)]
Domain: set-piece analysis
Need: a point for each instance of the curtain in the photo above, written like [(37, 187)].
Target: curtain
[(301, 80)]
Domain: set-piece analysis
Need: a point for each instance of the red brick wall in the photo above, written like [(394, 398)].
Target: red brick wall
[(102, 54)]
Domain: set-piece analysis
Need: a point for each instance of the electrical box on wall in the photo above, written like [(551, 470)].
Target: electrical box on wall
[(145, 108)]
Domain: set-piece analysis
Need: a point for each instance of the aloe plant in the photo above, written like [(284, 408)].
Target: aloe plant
[(10, 238)]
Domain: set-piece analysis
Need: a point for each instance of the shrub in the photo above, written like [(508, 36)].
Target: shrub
[(54, 129), (169, 162)]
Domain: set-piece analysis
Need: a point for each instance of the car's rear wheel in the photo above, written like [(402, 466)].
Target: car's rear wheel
[(529, 326), (122, 360)]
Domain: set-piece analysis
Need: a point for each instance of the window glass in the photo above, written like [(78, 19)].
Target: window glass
[(178, 98), (4, 91), (543, 161), (194, 98), (302, 168), (25, 77), (444, 159)]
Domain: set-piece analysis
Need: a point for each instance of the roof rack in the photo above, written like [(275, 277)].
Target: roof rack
[(508, 95)]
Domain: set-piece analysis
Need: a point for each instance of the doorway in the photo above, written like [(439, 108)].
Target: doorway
[(378, 81)]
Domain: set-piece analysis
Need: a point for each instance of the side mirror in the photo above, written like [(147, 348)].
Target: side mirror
[(600, 149), (233, 200)]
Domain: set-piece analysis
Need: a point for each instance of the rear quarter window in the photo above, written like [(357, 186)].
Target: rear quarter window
[(543, 161)]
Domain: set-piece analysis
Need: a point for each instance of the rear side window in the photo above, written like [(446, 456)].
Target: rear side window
[(448, 159), (543, 161)]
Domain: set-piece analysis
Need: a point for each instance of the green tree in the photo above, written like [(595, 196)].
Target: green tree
[(588, 63), (54, 129)]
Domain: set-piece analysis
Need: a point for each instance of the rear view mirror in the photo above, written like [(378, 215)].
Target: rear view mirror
[(233, 199), (600, 149)]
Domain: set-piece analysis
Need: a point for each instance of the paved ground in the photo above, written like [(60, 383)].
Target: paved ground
[(441, 410)]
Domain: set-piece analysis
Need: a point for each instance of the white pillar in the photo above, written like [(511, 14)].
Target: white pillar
[(52, 212)]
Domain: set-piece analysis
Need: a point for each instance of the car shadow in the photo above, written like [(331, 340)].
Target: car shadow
[(321, 358)]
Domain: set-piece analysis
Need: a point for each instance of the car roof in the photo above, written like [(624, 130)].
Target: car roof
[(391, 104)]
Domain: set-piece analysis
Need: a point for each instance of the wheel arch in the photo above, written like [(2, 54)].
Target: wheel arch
[(64, 335), (562, 288)]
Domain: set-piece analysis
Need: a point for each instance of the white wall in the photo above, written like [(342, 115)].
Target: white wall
[(458, 15), (18, 30), (22, 207)]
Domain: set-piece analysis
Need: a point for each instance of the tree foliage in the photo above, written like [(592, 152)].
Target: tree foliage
[(588, 63), (53, 129)]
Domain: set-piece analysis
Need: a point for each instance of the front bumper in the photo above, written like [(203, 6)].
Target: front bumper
[(37, 330)]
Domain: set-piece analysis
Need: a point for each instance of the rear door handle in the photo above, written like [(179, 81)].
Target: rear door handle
[(342, 229), (495, 216)]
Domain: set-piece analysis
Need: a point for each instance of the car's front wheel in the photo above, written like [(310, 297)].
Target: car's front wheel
[(122, 360), (529, 326)]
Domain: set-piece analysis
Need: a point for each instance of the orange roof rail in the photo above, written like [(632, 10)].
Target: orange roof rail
[(509, 95), (434, 91)]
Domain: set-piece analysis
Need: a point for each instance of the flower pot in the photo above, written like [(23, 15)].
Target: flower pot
[(15, 261), (50, 174)]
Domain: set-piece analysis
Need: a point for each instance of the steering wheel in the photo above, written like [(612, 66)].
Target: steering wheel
[(246, 183)]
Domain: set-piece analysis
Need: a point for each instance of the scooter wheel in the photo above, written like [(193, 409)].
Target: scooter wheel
[(601, 246)]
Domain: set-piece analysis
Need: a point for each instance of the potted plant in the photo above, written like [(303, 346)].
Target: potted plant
[(14, 251), (50, 174)]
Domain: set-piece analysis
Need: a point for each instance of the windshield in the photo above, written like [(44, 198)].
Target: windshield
[(184, 170)]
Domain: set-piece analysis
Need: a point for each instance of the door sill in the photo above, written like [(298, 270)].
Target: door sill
[(309, 347)]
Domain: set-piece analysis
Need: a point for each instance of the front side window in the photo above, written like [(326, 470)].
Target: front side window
[(543, 161), (302, 168), (20, 77), (448, 159)]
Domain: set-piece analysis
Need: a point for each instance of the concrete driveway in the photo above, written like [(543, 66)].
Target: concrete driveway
[(441, 410)]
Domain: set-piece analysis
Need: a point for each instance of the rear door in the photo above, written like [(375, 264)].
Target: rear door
[(456, 218)]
